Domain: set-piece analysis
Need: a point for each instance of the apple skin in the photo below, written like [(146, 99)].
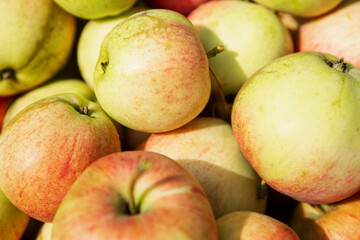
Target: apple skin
[(334, 33), (13, 222), (169, 201), (302, 8), (90, 41), (247, 225), (299, 112), (38, 43), (58, 86), (152, 74), (4, 105), (208, 149), (184, 6), (46, 146), (339, 221), (246, 50), (95, 9)]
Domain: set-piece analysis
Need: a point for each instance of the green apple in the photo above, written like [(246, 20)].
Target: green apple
[(93, 9), (46, 146), (49, 89), (36, 41), (208, 149), (297, 121), (252, 36), (13, 222), (90, 41), (135, 195), (152, 74), (302, 8)]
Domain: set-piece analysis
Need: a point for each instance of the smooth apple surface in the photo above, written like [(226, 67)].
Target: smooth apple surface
[(251, 34), (135, 195), (184, 6), (46, 146), (208, 149), (153, 74), (38, 42), (334, 33), (246, 225), (297, 122)]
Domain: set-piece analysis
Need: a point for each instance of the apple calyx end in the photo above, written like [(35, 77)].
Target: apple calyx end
[(8, 74), (339, 65), (104, 66)]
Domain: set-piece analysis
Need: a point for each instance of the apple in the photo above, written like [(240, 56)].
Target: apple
[(297, 123), (208, 149), (4, 105), (334, 33), (302, 8), (45, 232), (184, 6), (246, 225), (46, 146), (252, 36), (336, 221), (38, 42), (137, 195), (90, 41), (55, 87), (152, 74), (13, 222), (95, 9)]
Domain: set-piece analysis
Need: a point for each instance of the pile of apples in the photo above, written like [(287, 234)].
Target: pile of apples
[(169, 119)]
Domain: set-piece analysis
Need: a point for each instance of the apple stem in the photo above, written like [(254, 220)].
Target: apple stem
[(215, 51), (263, 190), (339, 65), (7, 74), (325, 208), (222, 95)]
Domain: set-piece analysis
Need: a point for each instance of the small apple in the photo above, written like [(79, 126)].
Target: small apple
[(95, 9), (45, 147), (334, 33), (13, 222), (208, 149), (152, 74), (246, 225), (4, 105), (37, 38), (336, 221), (184, 6), (58, 86), (252, 36), (302, 8), (135, 195), (297, 123)]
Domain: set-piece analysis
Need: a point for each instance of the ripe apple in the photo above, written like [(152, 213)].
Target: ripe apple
[(90, 41), (94, 9), (58, 86), (13, 222), (46, 146), (246, 225), (332, 222), (302, 8), (4, 105), (137, 195), (334, 33), (184, 6), (38, 42), (208, 149), (297, 121), (152, 74), (252, 36)]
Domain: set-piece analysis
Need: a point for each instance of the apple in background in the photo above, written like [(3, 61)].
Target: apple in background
[(94, 9), (184, 6), (58, 86), (46, 146), (152, 74), (336, 221), (334, 33), (90, 41), (4, 105), (252, 36), (302, 8), (246, 225), (297, 123), (137, 195), (45, 232), (208, 149), (38, 42), (13, 222)]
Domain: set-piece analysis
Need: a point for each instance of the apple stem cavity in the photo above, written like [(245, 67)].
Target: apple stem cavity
[(8, 74), (215, 51)]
